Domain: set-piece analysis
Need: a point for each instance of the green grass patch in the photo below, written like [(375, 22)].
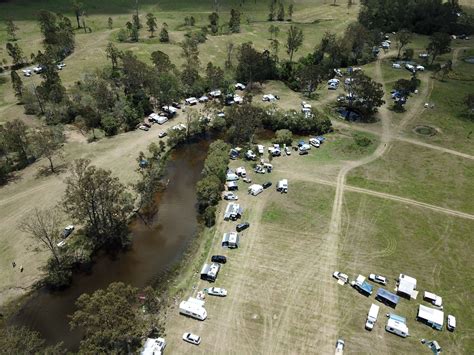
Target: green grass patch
[(421, 174)]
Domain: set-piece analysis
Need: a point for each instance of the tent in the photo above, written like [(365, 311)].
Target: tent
[(432, 317), (387, 297)]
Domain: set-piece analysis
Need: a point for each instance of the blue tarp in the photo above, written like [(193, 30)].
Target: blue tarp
[(383, 295), (366, 287)]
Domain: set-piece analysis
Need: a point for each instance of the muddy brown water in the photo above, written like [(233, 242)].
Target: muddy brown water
[(155, 248)]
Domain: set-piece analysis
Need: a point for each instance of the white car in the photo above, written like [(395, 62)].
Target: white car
[(162, 134), (260, 169), (410, 67), (204, 98), (269, 98), (314, 142), (396, 66), (378, 279), (192, 338), (143, 128), (420, 68), (26, 72), (250, 155), (287, 150), (37, 69), (304, 147), (216, 291), (60, 66), (340, 276), (230, 196), (240, 86), (67, 231), (339, 346)]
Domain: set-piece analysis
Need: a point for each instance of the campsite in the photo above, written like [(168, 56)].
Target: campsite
[(281, 176)]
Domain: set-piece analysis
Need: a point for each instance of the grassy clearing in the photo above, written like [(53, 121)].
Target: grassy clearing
[(260, 274), (388, 238), (421, 174)]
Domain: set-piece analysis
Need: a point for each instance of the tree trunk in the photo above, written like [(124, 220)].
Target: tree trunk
[(78, 22), (51, 164)]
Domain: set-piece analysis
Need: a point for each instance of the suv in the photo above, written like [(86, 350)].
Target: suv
[(242, 226), (378, 279), (267, 184), (221, 259)]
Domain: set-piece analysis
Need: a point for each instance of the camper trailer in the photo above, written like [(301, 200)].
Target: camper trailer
[(230, 240), (282, 186), (233, 212), (209, 271), (435, 300), (193, 308), (372, 316), (255, 189), (397, 325)]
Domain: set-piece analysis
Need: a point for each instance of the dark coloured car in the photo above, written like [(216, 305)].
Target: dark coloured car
[(242, 226), (303, 152), (267, 185), (176, 105), (221, 259), (146, 124)]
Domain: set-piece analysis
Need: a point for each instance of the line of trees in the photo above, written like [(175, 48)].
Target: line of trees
[(209, 188)]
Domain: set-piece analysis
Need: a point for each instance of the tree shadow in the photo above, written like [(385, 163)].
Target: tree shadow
[(45, 171)]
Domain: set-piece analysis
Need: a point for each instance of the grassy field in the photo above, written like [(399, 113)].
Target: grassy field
[(389, 238), (420, 174)]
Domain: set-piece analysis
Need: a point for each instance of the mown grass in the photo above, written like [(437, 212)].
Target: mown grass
[(388, 238), (421, 174)]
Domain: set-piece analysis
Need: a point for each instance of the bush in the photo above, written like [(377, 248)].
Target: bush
[(59, 276), (209, 216), (362, 141), (122, 35), (109, 125), (283, 136), (297, 122)]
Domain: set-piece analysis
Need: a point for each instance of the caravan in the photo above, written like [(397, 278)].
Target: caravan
[(255, 189), (397, 325), (193, 308)]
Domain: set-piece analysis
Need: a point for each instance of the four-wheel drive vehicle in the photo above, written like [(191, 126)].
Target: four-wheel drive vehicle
[(192, 338), (67, 231), (339, 346), (340, 276), (230, 196), (378, 279), (267, 184), (221, 259), (287, 150), (242, 226), (217, 291), (162, 134), (303, 152), (451, 323)]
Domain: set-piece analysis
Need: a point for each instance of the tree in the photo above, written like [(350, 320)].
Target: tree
[(51, 88), (294, 41), (402, 37), (272, 9), (47, 143), (234, 22), (274, 30), (110, 23), (408, 54), (15, 52), (214, 76), (283, 136), (113, 54), (11, 29), (439, 44), (281, 12), (151, 23), (161, 61), (44, 226), (192, 21), (229, 50), (21, 340), (135, 33), (366, 94), (254, 65), (58, 34), (275, 45), (117, 308), (243, 120), (164, 35), (469, 102), (100, 201), (17, 84), (291, 9), (190, 53), (78, 8), (310, 77), (214, 22), (136, 21), (14, 136)]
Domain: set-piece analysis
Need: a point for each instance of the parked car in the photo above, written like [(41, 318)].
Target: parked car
[(378, 279), (303, 152), (221, 259), (267, 184), (396, 66), (288, 150), (339, 346), (60, 66), (340, 276), (176, 105), (162, 134), (260, 169), (217, 291), (192, 338), (240, 86), (314, 142), (143, 128), (26, 72), (451, 323), (67, 231), (230, 196), (247, 180), (420, 68), (242, 226), (204, 98), (146, 124)]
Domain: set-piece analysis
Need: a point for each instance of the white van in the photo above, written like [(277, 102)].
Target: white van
[(282, 186), (372, 316), (261, 149), (451, 323)]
